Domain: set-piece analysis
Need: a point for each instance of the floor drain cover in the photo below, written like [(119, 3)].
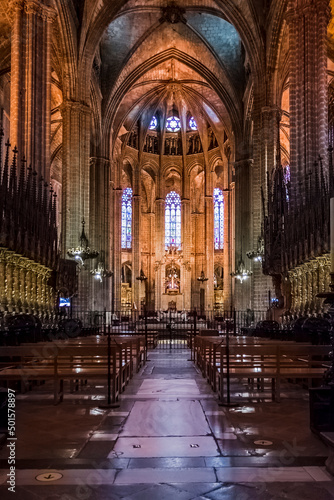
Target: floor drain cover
[(263, 442), (49, 476)]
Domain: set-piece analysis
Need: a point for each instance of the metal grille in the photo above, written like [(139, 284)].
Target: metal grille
[(171, 329)]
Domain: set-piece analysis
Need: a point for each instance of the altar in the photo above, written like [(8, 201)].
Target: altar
[(168, 298)]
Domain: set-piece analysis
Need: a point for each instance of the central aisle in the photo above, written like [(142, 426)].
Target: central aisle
[(170, 421), (170, 440)]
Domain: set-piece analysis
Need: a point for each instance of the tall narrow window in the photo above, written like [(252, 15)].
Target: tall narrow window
[(173, 220), (218, 199), (287, 180), (127, 218)]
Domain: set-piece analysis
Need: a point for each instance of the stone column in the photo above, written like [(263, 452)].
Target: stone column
[(75, 171), (307, 21), (30, 105), (160, 250), (243, 231), (228, 249), (136, 237), (209, 241), (117, 248), (159, 238), (100, 226), (150, 284), (266, 133), (196, 260), (186, 239), (75, 187)]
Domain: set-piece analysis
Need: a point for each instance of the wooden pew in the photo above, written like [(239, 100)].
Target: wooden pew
[(76, 362), (266, 361)]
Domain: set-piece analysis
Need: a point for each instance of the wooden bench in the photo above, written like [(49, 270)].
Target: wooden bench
[(260, 362), (76, 362)]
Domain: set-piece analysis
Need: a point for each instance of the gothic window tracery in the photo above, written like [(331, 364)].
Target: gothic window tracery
[(127, 218), (286, 179), (173, 124), (154, 123), (172, 220), (218, 198), (192, 123)]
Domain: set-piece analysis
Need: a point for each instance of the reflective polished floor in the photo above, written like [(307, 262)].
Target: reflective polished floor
[(169, 439)]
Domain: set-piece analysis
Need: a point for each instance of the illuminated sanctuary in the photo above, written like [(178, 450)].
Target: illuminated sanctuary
[(184, 127), (167, 224)]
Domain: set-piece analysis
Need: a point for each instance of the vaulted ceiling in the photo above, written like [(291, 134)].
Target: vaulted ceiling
[(202, 52), (150, 58)]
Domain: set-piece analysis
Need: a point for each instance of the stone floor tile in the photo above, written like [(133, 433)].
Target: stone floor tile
[(173, 462), (255, 475), (161, 418), (150, 447), (198, 475), (160, 492)]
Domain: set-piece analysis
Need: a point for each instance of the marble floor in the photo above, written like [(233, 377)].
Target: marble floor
[(169, 439)]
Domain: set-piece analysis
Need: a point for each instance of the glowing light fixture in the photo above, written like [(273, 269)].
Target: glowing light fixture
[(257, 255), (83, 251), (142, 276), (100, 272), (241, 273)]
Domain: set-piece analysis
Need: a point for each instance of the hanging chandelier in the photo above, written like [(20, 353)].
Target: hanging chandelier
[(142, 276), (83, 251), (99, 273), (202, 277), (241, 273), (257, 255)]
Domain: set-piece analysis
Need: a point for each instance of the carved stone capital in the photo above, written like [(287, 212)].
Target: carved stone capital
[(271, 112), (99, 161), (74, 107), (16, 5), (242, 164), (49, 14), (33, 7)]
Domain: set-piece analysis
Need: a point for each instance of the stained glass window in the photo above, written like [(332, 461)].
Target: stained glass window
[(154, 123), (173, 220), (218, 199), (127, 218), (192, 123), (287, 179), (173, 124)]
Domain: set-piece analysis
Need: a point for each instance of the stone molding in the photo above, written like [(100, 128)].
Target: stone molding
[(76, 106)]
